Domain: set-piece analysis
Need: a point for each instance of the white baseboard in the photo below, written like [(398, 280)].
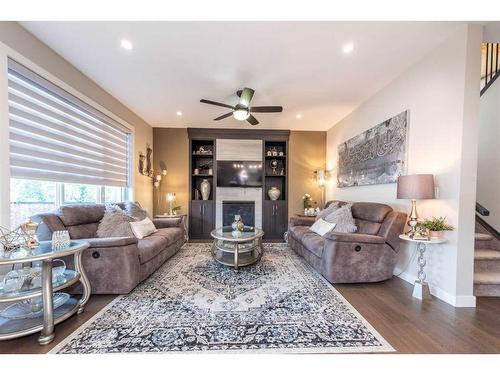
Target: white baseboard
[(456, 301)]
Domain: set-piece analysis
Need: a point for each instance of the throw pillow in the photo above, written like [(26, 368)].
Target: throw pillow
[(115, 223), (135, 210), (143, 228), (343, 218), (327, 211), (322, 227)]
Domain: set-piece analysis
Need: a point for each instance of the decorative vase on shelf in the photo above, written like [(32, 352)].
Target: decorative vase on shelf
[(205, 189), (274, 193), (237, 226)]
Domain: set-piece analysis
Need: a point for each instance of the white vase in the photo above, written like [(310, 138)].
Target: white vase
[(205, 189), (274, 193)]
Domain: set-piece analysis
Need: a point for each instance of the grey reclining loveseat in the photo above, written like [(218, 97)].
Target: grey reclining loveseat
[(368, 255)]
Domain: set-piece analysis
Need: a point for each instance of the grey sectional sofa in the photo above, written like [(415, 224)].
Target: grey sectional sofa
[(114, 265), (369, 255)]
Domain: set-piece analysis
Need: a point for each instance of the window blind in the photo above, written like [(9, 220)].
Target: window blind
[(55, 136)]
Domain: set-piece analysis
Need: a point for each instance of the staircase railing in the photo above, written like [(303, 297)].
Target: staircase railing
[(490, 69), (481, 210)]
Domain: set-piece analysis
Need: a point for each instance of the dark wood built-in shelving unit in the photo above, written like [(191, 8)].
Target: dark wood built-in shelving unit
[(202, 213)]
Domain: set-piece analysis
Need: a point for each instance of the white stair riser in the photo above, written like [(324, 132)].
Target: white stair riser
[(487, 290)]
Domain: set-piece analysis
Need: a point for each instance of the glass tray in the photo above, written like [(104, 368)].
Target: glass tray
[(24, 309)]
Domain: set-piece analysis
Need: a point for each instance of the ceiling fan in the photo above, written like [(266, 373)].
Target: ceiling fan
[(242, 111)]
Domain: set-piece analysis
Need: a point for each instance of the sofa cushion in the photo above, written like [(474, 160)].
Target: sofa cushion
[(298, 231), (77, 232), (172, 234), (367, 227), (314, 243), (77, 214), (370, 211), (110, 241), (151, 246)]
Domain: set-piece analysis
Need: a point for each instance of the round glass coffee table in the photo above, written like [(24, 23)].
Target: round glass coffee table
[(237, 250)]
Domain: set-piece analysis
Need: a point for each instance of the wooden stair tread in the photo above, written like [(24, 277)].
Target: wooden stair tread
[(486, 254), (483, 237), (487, 278)]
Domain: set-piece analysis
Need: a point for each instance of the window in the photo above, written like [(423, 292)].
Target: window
[(113, 194), (31, 197), (79, 193), (62, 150)]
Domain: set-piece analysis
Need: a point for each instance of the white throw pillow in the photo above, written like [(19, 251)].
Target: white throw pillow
[(143, 228), (322, 227)]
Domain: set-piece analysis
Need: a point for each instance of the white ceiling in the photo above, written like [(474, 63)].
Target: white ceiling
[(299, 65)]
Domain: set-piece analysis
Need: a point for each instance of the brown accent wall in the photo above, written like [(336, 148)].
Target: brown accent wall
[(171, 147), (307, 153), (19, 39)]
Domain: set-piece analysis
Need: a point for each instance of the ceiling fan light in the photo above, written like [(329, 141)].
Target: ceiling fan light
[(241, 114)]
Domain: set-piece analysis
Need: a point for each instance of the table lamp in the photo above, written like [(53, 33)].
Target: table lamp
[(415, 186), (171, 199)]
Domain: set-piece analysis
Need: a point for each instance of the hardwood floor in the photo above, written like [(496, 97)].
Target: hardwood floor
[(407, 324)]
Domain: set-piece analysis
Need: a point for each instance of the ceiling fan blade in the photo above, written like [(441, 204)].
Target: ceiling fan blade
[(252, 120), (246, 96), (266, 109), (216, 103), (223, 116)]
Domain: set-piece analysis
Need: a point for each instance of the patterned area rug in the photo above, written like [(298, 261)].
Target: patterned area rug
[(193, 304)]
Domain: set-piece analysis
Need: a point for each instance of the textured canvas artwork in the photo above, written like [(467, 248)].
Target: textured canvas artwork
[(376, 156)]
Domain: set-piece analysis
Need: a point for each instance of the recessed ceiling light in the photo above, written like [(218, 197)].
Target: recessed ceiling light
[(298, 116), (126, 44), (348, 48), (178, 113)]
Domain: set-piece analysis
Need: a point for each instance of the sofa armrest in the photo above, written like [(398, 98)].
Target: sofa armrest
[(354, 237), (301, 221), (110, 241), (168, 222)]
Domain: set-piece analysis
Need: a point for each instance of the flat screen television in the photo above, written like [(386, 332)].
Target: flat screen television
[(239, 174)]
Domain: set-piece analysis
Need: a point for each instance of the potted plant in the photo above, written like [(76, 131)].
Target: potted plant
[(436, 227)]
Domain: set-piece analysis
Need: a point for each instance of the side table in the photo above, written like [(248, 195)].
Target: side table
[(13, 328), (183, 218), (421, 287)]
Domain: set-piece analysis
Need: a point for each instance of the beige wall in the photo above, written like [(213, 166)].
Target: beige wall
[(307, 153), (171, 146), (442, 94), (20, 40)]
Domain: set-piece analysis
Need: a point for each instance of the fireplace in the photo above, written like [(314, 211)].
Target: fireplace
[(246, 209)]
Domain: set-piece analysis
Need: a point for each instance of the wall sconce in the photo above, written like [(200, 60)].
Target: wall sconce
[(146, 169)]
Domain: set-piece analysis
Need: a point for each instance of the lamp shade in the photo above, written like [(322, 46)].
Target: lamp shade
[(416, 186)]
